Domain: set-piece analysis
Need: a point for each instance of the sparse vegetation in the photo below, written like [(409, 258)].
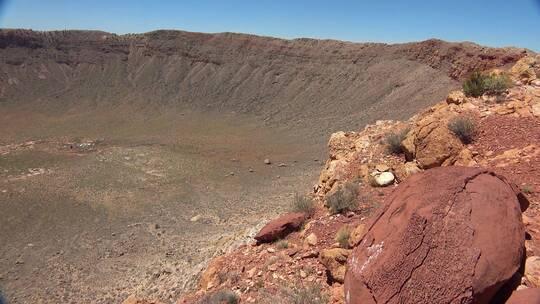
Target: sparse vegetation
[(311, 294), (220, 297), (478, 84), (463, 128), (369, 204), (394, 141), (283, 244), (302, 203), (272, 260), (527, 189), (342, 236), (344, 199)]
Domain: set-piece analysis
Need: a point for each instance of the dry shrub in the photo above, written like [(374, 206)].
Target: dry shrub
[(304, 204), (342, 236), (344, 199), (463, 128), (394, 141)]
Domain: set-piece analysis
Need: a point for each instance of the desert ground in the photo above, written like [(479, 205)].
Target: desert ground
[(102, 204)]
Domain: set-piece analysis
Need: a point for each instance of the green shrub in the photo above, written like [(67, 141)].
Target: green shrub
[(477, 84), (344, 199), (220, 297), (311, 294), (474, 85), (342, 236), (304, 204), (463, 128), (394, 141)]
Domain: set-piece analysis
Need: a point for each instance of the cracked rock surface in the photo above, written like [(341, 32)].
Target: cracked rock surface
[(438, 239)]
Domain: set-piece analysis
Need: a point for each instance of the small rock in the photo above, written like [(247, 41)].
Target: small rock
[(303, 274), (535, 109), (334, 260), (356, 235), (404, 171), (310, 254), (384, 179), (195, 218), (267, 161), (271, 249), (455, 97), (292, 251), (251, 273), (311, 239), (532, 270), (250, 170), (382, 168), (282, 165)]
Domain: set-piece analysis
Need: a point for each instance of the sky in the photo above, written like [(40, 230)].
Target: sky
[(492, 23)]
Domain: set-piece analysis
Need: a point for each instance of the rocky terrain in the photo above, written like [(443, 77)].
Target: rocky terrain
[(446, 219), (127, 162)]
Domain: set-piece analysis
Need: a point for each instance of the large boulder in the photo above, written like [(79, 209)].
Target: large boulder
[(431, 143), (446, 235), (280, 227)]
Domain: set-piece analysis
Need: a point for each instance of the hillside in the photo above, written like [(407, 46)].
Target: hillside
[(322, 83)]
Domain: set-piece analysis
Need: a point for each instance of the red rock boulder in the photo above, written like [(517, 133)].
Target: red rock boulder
[(280, 227), (525, 296), (447, 235)]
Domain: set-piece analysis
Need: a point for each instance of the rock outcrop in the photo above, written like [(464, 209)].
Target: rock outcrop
[(431, 142), (527, 69), (438, 240)]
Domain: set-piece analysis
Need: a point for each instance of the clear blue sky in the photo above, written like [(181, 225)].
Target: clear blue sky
[(493, 22)]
